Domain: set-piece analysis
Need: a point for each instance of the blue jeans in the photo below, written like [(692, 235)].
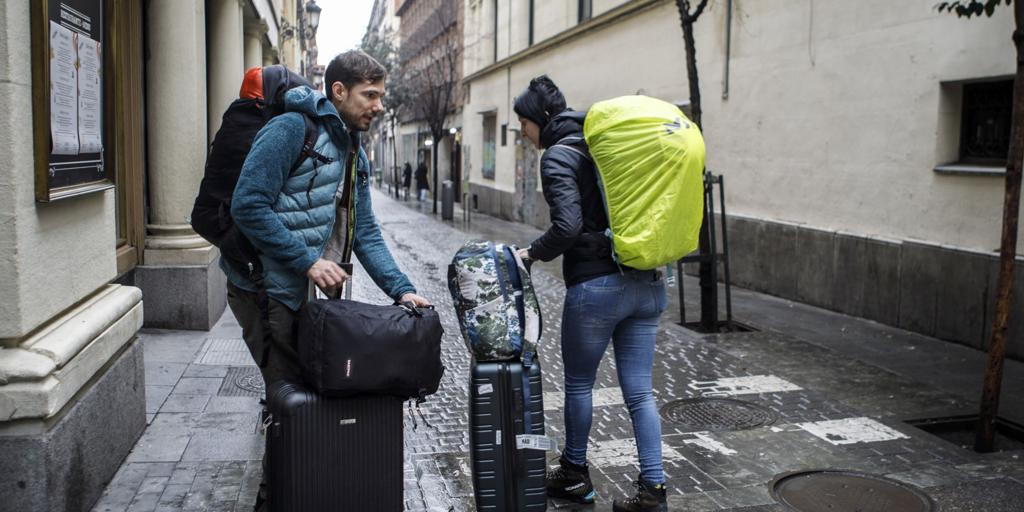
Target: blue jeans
[(622, 308)]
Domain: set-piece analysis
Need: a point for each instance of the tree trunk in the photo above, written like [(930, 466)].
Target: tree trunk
[(433, 153), (394, 161), (708, 288), (691, 72), (985, 441)]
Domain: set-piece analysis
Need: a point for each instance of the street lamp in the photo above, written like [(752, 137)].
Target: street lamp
[(314, 14), (289, 31)]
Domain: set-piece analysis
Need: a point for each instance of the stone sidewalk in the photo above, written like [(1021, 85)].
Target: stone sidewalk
[(811, 389)]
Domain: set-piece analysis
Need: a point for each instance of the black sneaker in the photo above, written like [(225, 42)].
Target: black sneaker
[(649, 498), (570, 482)]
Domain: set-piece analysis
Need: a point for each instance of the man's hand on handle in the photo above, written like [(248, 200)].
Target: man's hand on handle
[(327, 275), (418, 301)]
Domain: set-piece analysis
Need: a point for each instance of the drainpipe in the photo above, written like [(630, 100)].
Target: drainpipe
[(728, 49)]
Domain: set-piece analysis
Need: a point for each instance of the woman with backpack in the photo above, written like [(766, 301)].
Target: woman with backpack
[(603, 302)]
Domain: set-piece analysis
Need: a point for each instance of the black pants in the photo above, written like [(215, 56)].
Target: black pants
[(276, 332)]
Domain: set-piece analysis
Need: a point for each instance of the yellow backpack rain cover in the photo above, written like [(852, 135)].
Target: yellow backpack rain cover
[(650, 163)]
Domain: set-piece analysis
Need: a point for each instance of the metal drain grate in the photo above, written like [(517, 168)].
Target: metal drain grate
[(716, 414), (846, 491), (243, 381)]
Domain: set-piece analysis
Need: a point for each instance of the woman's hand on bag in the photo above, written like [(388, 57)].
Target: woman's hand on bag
[(524, 254), (327, 275), (418, 301)]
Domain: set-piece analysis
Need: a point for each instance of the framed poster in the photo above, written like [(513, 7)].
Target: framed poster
[(68, 57)]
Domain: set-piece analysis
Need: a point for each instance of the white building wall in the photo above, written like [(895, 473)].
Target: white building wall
[(835, 119), (51, 255)]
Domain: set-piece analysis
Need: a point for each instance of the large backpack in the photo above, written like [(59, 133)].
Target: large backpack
[(650, 165), (211, 213), (495, 301)]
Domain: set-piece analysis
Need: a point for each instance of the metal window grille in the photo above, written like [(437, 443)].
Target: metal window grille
[(985, 132)]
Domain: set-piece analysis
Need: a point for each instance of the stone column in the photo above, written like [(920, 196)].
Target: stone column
[(176, 120), (179, 278), (270, 56), (227, 57), (254, 33)]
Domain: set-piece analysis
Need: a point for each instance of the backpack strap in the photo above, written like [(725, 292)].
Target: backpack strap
[(310, 135), (527, 351), (565, 142)]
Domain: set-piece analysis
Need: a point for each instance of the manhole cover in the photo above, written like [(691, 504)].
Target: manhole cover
[(716, 414), (243, 381), (846, 491)]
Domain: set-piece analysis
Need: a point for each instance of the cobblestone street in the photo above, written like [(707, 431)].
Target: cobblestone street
[(814, 389)]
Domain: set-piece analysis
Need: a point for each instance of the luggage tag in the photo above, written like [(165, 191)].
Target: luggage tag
[(534, 442)]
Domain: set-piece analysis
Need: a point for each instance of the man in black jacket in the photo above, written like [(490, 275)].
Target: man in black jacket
[(604, 301)]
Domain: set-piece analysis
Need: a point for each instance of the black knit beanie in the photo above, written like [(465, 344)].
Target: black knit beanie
[(540, 101)]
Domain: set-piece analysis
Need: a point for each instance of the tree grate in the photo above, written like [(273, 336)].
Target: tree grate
[(717, 414)]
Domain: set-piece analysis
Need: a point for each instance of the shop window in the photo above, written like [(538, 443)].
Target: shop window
[(489, 147)]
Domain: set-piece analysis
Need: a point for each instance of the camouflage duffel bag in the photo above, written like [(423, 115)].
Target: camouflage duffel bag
[(495, 302)]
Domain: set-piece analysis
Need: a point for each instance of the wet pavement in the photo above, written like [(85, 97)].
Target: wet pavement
[(809, 390)]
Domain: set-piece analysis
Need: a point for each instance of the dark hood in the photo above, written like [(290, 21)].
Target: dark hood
[(568, 123), (278, 80)]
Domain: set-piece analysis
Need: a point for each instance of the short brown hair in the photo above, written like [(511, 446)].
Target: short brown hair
[(353, 67)]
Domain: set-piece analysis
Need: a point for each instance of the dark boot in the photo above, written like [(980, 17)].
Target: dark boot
[(649, 498), (570, 482), (262, 504)]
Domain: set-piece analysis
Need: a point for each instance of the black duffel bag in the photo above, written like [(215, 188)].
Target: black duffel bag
[(349, 348)]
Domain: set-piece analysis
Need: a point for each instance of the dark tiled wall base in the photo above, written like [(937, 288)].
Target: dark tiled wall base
[(932, 290), (67, 467)]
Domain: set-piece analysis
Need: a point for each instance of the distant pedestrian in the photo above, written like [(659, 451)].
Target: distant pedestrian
[(407, 179), (603, 301), (422, 184)]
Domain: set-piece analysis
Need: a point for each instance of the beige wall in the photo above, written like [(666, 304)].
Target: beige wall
[(834, 121), (856, 103), (550, 18), (51, 255)]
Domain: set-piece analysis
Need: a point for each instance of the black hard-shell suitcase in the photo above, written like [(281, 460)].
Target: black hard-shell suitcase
[(333, 454), (505, 479)]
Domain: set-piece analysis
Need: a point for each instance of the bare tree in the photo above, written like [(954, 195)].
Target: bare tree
[(687, 17), (985, 441), (430, 61), (382, 47)]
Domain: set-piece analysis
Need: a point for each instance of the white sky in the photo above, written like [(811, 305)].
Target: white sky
[(342, 25)]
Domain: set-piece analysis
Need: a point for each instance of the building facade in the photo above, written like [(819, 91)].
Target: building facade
[(84, 269), (380, 142), (430, 55), (862, 142)]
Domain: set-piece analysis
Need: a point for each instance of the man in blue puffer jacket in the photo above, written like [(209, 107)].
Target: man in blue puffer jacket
[(295, 215), (299, 217)]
